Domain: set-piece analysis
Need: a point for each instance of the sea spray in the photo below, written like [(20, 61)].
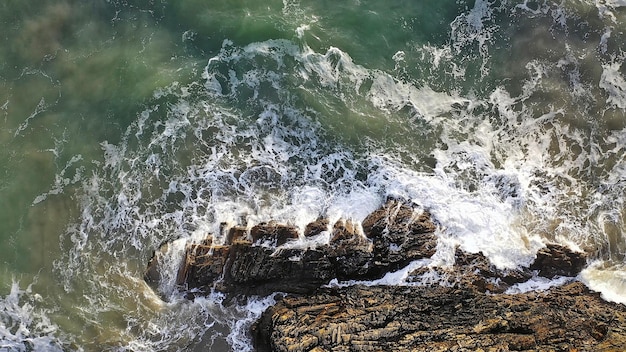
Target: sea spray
[(24, 326)]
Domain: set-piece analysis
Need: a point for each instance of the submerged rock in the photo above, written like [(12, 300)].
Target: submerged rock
[(439, 318), (474, 270)]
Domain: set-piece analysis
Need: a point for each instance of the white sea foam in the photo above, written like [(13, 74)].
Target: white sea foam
[(252, 141), (613, 82), (23, 326), (396, 278), (538, 283), (608, 279)]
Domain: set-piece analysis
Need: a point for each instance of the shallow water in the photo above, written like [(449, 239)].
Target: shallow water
[(126, 124)]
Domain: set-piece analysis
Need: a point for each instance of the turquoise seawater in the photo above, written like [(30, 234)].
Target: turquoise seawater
[(125, 124)]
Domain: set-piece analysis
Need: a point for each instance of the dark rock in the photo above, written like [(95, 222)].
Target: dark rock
[(350, 252), (152, 275), (202, 263), (236, 234), (274, 232), (316, 227), (396, 218), (474, 271), (556, 260), (253, 270), (442, 319), (244, 268), (400, 234)]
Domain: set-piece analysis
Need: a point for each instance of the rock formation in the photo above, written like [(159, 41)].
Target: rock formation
[(247, 264), (470, 312), (358, 318)]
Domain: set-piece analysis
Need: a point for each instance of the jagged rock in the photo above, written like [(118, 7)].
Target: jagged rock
[(274, 232), (202, 262), (400, 234), (439, 318), (396, 218), (243, 267), (316, 227), (236, 234), (473, 270), (351, 253), (345, 232), (556, 260), (395, 235)]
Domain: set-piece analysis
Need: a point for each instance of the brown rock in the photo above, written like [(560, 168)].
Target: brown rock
[(473, 270), (396, 218), (243, 268), (400, 233), (439, 318), (236, 234), (277, 233), (556, 260), (346, 234), (316, 227)]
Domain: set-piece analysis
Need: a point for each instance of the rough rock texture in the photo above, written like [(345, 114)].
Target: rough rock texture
[(358, 318), (277, 234), (400, 234), (471, 313), (475, 270), (556, 260), (396, 234), (316, 227)]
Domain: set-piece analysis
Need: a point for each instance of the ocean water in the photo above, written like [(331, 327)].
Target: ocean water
[(125, 124)]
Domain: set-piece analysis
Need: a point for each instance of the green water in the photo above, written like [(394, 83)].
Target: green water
[(114, 138)]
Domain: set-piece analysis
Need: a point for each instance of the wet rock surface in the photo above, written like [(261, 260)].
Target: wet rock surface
[(474, 270), (556, 260), (470, 312), (358, 318), (250, 264)]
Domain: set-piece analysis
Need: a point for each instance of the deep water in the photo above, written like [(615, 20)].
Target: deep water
[(127, 124)]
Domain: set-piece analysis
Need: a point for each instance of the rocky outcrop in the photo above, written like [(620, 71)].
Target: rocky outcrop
[(358, 318), (256, 260), (556, 260), (469, 312), (255, 263)]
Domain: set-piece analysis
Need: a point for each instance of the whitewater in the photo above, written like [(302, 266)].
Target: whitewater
[(126, 125)]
